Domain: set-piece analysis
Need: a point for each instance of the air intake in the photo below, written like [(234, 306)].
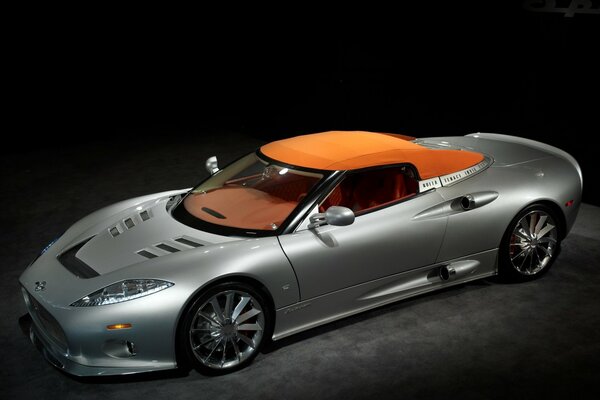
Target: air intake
[(74, 265), (188, 242), (129, 223), (147, 254), (166, 247), (170, 246), (144, 215)]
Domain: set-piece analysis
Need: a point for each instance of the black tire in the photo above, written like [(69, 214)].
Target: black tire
[(527, 254), (212, 342)]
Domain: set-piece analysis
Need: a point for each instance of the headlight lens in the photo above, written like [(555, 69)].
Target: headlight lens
[(122, 291)]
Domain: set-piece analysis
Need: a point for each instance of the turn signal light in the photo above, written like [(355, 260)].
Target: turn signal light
[(118, 326)]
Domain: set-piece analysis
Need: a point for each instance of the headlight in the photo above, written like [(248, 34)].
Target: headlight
[(122, 291)]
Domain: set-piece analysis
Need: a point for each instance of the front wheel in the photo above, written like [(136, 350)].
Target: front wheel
[(530, 244), (225, 328)]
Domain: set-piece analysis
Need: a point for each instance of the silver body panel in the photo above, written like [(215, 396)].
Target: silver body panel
[(313, 276)]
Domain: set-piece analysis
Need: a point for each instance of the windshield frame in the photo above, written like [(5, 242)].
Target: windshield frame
[(183, 216)]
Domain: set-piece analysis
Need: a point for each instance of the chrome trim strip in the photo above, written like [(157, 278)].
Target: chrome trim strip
[(428, 184)]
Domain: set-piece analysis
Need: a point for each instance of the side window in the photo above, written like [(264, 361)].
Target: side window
[(363, 191)]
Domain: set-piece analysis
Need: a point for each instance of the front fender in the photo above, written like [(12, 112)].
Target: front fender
[(261, 259)]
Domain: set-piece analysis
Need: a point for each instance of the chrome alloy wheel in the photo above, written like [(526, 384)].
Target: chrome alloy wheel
[(227, 329), (533, 242)]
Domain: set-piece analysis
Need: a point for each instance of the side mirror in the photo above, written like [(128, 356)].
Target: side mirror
[(212, 166), (335, 215)]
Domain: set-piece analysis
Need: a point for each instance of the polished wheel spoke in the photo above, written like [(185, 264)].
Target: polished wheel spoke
[(240, 307), (236, 349), (229, 304), (223, 359), (247, 340), (532, 223), (545, 250), (205, 342), (526, 230), (539, 225), (213, 350), (524, 259), (217, 309), (247, 315), (194, 330), (545, 230), (210, 319), (249, 327), (547, 240), (520, 253)]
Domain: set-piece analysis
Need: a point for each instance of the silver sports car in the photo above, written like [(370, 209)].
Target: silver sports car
[(302, 232)]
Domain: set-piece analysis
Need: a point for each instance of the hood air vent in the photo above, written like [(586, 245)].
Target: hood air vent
[(170, 246), (188, 242), (166, 247), (129, 223), (147, 254), (77, 267)]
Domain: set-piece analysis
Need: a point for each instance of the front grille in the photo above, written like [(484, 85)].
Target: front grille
[(45, 322)]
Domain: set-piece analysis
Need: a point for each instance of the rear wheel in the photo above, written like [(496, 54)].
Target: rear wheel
[(225, 328), (530, 244)]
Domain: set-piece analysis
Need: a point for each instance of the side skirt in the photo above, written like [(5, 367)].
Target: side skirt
[(320, 310)]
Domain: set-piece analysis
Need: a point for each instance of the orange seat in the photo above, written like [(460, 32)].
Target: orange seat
[(371, 189)]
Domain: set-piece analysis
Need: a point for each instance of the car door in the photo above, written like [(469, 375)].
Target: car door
[(381, 242)]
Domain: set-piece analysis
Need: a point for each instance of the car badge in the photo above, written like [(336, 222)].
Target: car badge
[(40, 285)]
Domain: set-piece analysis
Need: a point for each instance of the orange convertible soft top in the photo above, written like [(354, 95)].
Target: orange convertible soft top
[(346, 150)]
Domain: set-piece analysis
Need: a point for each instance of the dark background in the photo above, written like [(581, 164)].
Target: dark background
[(425, 71)]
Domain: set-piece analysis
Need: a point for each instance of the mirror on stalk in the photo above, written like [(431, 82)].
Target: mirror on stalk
[(212, 166), (335, 215)]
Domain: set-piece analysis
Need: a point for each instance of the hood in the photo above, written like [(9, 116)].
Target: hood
[(143, 230)]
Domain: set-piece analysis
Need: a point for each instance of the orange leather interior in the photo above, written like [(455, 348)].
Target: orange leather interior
[(363, 191), (288, 187), (340, 150)]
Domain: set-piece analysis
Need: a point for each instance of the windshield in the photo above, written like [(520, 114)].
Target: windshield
[(250, 194)]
